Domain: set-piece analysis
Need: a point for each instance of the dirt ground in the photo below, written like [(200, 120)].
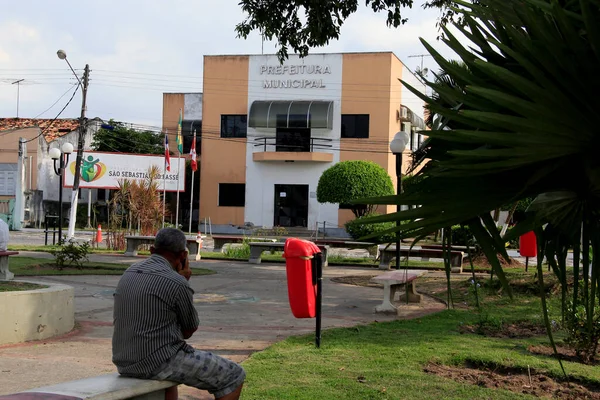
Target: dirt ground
[(515, 380)]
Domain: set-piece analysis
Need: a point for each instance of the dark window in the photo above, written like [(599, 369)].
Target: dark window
[(232, 194), (355, 126), (188, 126), (101, 194), (234, 126)]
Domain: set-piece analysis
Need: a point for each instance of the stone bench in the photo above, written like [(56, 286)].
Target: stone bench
[(104, 387), (5, 274), (392, 282), (257, 248), (387, 254), (220, 241), (133, 242), (349, 244)]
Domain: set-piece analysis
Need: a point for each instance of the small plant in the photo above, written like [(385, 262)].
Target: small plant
[(584, 341), (240, 251), (71, 254)]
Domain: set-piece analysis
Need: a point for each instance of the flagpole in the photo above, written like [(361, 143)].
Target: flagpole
[(164, 182), (178, 179), (192, 189)]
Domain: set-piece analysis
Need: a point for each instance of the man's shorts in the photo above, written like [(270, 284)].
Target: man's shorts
[(202, 370)]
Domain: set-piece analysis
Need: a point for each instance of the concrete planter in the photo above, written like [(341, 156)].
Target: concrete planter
[(36, 314)]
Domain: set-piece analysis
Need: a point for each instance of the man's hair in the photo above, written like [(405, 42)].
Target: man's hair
[(170, 239)]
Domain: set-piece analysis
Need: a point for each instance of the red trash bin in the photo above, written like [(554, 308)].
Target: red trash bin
[(528, 245), (302, 285)]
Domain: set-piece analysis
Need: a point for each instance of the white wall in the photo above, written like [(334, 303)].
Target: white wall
[(411, 100), (261, 177)]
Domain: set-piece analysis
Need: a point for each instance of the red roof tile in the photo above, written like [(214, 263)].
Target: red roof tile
[(54, 129)]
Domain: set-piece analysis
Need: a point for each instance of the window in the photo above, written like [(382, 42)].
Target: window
[(234, 126), (355, 126), (188, 126), (232, 194), (8, 179)]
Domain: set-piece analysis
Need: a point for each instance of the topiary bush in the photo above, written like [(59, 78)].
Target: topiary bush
[(348, 181), (356, 229)]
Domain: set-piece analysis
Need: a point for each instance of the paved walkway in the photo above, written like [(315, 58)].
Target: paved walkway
[(243, 308)]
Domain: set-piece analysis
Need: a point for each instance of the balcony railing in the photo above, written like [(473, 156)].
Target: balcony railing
[(292, 149), (304, 145)]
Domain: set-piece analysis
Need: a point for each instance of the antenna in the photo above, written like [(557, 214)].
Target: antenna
[(18, 82), (422, 56)]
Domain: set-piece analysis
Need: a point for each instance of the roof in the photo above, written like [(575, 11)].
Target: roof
[(52, 130)]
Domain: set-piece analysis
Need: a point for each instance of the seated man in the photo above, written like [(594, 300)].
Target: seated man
[(153, 315)]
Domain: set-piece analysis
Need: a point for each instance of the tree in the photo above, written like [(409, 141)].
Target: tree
[(523, 124), (347, 181), (302, 24), (116, 137)]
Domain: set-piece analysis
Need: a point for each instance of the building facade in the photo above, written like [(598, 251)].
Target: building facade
[(270, 130), (39, 182)]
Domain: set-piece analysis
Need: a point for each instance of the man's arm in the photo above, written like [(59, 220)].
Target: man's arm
[(186, 312)]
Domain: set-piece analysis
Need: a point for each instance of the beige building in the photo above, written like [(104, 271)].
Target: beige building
[(269, 130)]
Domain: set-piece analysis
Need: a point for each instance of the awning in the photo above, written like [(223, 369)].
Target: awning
[(291, 114), (409, 116)]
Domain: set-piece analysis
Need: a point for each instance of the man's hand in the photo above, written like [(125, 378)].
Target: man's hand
[(185, 269)]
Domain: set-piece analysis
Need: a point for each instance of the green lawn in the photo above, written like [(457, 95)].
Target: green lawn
[(387, 360), (31, 266), (7, 286)]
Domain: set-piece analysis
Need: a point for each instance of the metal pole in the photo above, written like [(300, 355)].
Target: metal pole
[(89, 222), (318, 305), (80, 145), (178, 179), (192, 189), (60, 174), (399, 190), (164, 183), (18, 82)]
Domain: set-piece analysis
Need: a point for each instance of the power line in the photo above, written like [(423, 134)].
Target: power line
[(53, 104), (55, 118)]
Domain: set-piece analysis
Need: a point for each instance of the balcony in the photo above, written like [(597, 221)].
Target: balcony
[(292, 148)]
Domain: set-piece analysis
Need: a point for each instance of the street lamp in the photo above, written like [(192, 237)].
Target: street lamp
[(56, 154), (80, 141), (397, 146)]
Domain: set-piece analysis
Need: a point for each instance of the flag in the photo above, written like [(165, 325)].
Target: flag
[(179, 139), (193, 154), (167, 155)]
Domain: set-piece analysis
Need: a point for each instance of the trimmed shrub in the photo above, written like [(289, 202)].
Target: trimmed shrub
[(356, 229)]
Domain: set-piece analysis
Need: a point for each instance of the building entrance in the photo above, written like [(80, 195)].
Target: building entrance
[(291, 206)]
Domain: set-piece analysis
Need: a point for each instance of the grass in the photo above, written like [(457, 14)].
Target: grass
[(31, 266), (387, 360), (18, 286)]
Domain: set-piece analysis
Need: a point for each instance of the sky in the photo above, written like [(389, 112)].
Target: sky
[(139, 49)]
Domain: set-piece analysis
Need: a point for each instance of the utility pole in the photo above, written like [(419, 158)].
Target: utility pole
[(19, 210), (80, 145), (18, 82)]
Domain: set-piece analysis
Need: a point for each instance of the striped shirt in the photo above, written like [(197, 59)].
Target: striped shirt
[(153, 305)]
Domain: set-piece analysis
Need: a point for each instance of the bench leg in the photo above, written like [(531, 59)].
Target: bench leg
[(456, 264), (194, 250), (5, 274), (218, 245), (255, 254), (385, 259), (325, 260), (132, 246), (411, 292), (389, 292)]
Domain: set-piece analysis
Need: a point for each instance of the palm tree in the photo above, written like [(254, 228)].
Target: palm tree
[(517, 117)]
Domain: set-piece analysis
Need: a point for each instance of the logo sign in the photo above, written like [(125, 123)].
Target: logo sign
[(105, 171)]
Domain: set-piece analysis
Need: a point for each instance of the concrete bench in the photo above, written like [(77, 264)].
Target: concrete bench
[(104, 387), (133, 242), (5, 274), (387, 254), (220, 241), (392, 282), (257, 248), (464, 249), (349, 244)]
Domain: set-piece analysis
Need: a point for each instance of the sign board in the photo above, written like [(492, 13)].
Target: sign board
[(105, 170)]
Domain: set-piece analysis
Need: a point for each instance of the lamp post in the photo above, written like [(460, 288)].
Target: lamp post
[(56, 154), (397, 146), (80, 141)]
